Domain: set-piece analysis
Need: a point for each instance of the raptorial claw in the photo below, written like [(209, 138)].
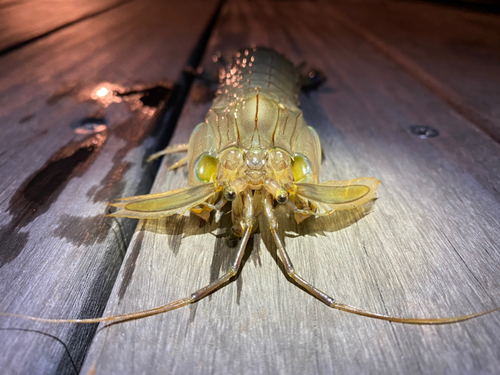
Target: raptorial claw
[(155, 206), (338, 195)]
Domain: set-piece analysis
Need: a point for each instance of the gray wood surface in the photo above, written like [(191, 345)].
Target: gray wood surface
[(23, 20), (59, 255), (428, 248), (455, 53)]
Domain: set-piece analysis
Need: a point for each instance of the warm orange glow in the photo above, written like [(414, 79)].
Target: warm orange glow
[(102, 92), (105, 93)]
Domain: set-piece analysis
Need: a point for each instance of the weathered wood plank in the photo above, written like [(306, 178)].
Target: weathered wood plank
[(59, 255), (24, 20), (429, 248), (453, 52)]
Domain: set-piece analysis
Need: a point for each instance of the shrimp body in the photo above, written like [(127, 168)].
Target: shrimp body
[(255, 129)]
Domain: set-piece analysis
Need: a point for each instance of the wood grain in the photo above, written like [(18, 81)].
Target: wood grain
[(428, 248), (59, 255), (455, 53), (25, 20)]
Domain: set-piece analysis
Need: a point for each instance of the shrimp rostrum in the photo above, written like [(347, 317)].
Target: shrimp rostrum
[(254, 150)]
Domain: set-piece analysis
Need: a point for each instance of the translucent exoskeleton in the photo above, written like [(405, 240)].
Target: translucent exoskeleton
[(254, 150)]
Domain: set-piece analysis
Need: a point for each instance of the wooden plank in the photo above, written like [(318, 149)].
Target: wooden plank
[(429, 248), (25, 20), (59, 255), (453, 52)]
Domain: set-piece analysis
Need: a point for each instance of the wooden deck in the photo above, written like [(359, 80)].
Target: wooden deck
[(428, 247)]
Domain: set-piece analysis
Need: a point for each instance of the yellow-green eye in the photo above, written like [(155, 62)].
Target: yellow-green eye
[(206, 167), (301, 168)]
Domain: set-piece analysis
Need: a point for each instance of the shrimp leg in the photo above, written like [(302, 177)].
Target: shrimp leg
[(307, 213), (169, 150), (267, 203), (178, 164)]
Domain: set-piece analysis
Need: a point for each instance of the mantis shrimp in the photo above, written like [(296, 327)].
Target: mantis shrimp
[(254, 150)]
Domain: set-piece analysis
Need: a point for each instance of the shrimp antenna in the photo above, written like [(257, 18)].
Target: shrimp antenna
[(194, 297), (330, 301)]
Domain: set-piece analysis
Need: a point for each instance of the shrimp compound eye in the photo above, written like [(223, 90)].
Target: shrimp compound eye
[(282, 196), (206, 167), (301, 168), (229, 193)]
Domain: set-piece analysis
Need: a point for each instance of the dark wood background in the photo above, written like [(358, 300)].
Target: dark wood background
[(428, 247)]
